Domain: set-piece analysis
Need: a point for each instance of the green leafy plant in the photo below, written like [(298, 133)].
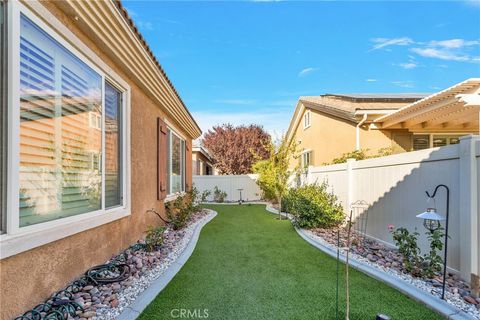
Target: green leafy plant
[(219, 195), (154, 237), (407, 246), (361, 155), (204, 195), (357, 155), (274, 173), (313, 206), (433, 260), (266, 179), (414, 263), (179, 210)]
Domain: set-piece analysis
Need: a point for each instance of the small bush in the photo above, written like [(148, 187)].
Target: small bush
[(357, 155), (418, 265), (179, 210), (362, 155), (219, 195), (266, 179), (313, 207), (154, 238)]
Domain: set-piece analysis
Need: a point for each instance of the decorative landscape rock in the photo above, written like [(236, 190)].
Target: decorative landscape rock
[(106, 301), (389, 260)]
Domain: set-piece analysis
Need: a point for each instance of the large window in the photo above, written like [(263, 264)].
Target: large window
[(58, 92), (175, 163), (70, 132)]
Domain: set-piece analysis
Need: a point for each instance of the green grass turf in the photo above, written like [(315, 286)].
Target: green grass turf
[(248, 265)]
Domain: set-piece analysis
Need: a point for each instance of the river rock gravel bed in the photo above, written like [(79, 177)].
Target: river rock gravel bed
[(107, 301), (389, 260)]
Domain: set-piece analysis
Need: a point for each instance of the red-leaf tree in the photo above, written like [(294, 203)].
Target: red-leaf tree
[(236, 148)]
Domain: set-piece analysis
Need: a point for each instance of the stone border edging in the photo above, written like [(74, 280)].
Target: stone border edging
[(434, 303), (148, 295)]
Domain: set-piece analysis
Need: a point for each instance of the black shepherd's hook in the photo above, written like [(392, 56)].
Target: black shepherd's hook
[(435, 191)]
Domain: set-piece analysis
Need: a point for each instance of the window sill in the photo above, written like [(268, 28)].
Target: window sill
[(305, 128), (174, 196), (41, 234)]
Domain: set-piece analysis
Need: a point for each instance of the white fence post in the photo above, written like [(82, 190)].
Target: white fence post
[(469, 208), (350, 184)]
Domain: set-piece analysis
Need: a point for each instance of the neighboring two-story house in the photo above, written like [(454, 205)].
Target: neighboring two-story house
[(327, 126)]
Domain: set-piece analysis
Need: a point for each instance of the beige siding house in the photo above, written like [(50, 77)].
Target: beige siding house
[(327, 126)]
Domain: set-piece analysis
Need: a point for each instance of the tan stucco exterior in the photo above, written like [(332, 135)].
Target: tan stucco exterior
[(201, 164), (28, 278), (328, 137)]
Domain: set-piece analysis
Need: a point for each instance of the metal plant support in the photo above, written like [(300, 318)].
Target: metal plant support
[(360, 217), (62, 304)]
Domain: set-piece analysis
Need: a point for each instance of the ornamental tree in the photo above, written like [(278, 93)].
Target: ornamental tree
[(236, 148), (275, 171)]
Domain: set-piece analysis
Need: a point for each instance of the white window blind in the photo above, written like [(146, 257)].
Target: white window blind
[(58, 92), (113, 147)]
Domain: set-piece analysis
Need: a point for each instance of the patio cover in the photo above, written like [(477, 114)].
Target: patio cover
[(454, 109)]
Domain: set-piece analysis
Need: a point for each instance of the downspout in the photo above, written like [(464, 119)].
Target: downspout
[(357, 147)]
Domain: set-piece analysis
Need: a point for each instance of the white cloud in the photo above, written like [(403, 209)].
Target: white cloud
[(306, 71), (386, 42), (453, 43), (275, 122), (443, 54), (475, 3), (145, 25), (408, 65), (371, 80)]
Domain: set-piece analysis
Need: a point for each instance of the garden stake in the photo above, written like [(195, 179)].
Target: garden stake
[(347, 312), (338, 264)]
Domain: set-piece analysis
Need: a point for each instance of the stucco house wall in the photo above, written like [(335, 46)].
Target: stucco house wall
[(328, 137), (29, 277), (199, 163)]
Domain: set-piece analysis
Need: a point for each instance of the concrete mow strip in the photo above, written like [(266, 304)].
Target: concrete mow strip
[(146, 297)]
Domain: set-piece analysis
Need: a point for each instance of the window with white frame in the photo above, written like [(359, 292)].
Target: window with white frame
[(425, 141), (67, 166), (306, 119), (175, 163), (306, 159)]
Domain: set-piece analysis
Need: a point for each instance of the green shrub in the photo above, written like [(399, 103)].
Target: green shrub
[(313, 207), (362, 155), (357, 155), (266, 179), (414, 263), (179, 210), (154, 238), (219, 195)]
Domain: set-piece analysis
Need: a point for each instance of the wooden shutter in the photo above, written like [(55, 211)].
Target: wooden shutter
[(161, 159)]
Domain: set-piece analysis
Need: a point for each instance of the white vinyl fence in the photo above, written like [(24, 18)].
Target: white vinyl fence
[(394, 187), (231, 185)]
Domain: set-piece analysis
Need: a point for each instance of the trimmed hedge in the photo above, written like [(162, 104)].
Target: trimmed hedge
[(313, 207)]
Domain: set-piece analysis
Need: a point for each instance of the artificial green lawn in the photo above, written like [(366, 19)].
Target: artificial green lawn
[(248, 265)]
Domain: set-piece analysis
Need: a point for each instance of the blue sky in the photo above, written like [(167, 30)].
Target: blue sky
[(248, 62)]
